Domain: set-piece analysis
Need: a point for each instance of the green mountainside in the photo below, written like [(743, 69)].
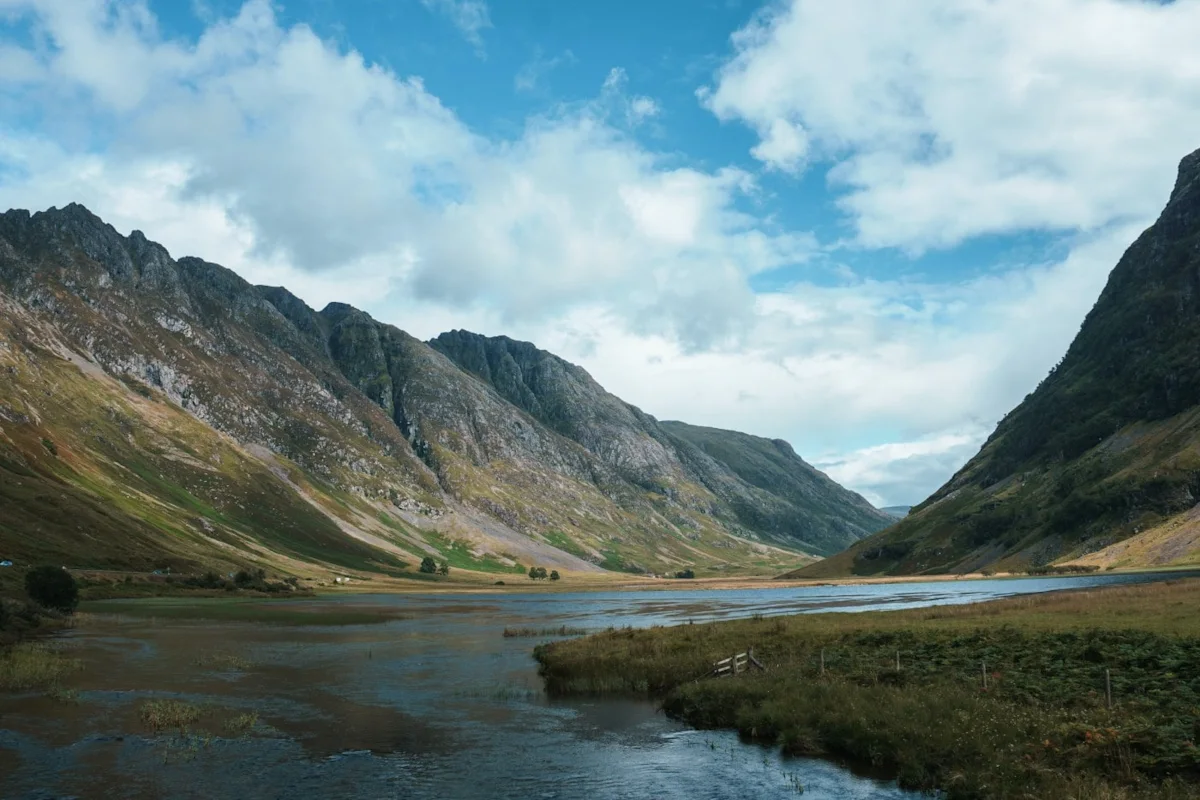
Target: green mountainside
[(1100, 464), (165, 413)]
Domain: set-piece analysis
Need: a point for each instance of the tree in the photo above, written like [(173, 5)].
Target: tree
[(537, 573), (685, 574), (428, 565), (52, 587), (554, 575), (443, 568)]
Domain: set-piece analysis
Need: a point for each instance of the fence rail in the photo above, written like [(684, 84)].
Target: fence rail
[(736, 664)]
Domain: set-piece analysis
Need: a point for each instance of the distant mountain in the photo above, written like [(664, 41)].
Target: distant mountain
[(899, 512), (161, 412), (1101, 463)]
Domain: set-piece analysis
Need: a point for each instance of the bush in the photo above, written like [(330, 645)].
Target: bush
[(685, 574), (428, 565), (537, 573), (554, 575), (52, 587), (443, 568)]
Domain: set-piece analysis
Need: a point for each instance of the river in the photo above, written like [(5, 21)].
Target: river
[(434, 703)]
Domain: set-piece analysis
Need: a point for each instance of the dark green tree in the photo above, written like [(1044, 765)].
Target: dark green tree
[(537, 573), (428, 565), (554, 575), (443, 568), (52, 587)]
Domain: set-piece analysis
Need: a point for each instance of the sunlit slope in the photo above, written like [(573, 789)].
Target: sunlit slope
[(159, 412)]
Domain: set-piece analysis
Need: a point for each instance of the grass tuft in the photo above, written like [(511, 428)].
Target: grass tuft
[(32, 665), (163, 715), (562, 630)]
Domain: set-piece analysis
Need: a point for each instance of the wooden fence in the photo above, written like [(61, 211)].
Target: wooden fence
[(736, 664)]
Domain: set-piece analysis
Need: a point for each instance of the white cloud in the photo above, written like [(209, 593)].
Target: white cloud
[(953, 118), (530, 76), (902, 473), (298, 163), (325, 161), (469, 16)]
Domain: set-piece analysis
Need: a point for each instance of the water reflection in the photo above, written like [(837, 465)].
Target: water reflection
[(438, 704)]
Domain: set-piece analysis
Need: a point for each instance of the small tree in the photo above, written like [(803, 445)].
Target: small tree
[(443, 568), (554, 575), (537, 573), (52, 587), (428, 565)]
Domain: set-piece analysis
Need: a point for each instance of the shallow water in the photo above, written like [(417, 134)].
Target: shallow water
[(435, 704)]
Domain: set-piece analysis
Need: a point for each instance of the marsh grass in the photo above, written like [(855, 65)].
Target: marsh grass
[(241, 724), (500, 693), (35, 666), (1042, 727), (223, 661), (563, 630), (163, 715)]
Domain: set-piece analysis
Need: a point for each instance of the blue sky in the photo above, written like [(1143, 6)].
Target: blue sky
[(866, 227)]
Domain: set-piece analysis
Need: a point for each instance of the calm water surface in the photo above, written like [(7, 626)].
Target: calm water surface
[(436, 705)]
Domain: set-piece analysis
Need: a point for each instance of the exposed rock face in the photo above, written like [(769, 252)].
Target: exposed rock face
[(330, 437), (1103, 451)]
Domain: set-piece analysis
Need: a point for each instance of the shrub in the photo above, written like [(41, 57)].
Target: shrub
[(443, 568), (537, 573), (686, 574), (52, 587), (428, 565), (554, 575)]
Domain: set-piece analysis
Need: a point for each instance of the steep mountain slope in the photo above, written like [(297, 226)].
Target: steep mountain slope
[(776, 490), (761, 485), (1101, 463), (168, 413)]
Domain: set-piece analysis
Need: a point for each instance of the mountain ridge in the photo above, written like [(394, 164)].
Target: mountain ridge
[(375, 447)]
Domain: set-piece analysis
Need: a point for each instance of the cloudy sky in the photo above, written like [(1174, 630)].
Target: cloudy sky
[(868, 227)]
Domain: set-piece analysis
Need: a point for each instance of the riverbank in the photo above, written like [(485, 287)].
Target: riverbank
[(1041, 727)]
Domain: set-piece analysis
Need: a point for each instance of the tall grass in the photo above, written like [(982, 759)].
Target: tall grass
[(34, 665), (1041, 727)]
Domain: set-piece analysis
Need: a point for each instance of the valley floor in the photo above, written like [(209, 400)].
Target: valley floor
[(1007, 699)]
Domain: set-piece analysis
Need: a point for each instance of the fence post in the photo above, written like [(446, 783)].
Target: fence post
[(1108, 686), (822, 660), (983, 668), (897, 661)]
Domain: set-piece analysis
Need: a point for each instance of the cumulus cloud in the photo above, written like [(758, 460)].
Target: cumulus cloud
[(887, 473), (328, 161), (948, 119), (300, 163)]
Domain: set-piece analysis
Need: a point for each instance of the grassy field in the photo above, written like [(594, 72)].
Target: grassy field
[(1040, 728)]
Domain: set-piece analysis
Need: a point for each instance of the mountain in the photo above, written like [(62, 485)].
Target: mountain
[(899, 512), (1099, 465), (157, 412)]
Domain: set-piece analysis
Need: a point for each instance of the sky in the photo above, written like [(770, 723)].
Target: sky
[(867, 227)]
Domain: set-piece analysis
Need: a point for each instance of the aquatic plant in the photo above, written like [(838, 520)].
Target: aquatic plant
[(34, 665), (167, 714)]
